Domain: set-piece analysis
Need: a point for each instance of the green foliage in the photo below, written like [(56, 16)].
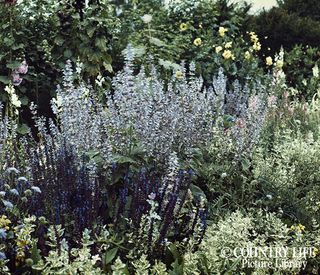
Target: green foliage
[(218, 253), (305, 79), (303, 8), (289, 175), (158, 174), (46, 34), (58, 260)]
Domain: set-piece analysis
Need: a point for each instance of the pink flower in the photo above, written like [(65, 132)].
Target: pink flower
[(10, 2), (16, 79), (253, 103), (272, 101), (23, 68), (240, 123)]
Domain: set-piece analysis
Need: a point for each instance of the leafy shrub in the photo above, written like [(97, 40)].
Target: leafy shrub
[(39, 32), (306, 79), (245, 230)]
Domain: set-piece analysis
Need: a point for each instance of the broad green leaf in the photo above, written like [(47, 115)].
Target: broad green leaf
[(110, 255), (245, 163), (67, 53), (101, 44), (169, 65), (157, 42), (197, 192), (13, 65), (108, 67), (23, 129), (4, 79)]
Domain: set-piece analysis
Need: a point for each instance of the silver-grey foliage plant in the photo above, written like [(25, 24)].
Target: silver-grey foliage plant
[(164, 117)]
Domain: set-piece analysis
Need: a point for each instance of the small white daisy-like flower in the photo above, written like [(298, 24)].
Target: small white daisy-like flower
[(147, 18)]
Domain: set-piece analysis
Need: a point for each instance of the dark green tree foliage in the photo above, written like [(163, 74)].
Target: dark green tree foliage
[(292, 23), (295, 26), (303, 8)]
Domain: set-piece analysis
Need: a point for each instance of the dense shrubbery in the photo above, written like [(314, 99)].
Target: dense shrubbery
[(193, 150)]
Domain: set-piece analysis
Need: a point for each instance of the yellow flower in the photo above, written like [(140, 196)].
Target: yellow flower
[(20, 256), (298, 228), (200, 26), (269, 61), (315, 251), (279, 64), (228, 45), (257, 46), (22, 243), (197, 42), (183, 27), (4, 222), (301, 227), (227, 55), (222, 31), (254, 38), (247, 55), (179, 74), (218, 49)]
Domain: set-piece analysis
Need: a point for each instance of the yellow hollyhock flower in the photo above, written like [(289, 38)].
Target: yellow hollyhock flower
[(254, 38), (257, 46), (228, 45), (218, 49), (269, 61), (247, 55), (183, 27), (222, 31), (179, 74), (197, 42), (227, 54)]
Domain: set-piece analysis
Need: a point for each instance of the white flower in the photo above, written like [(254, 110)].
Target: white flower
[(100, 80), (315, 71), (146, 18), (9, 89), (57, 104), (15, 101), (224, 175), (269, 196)]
